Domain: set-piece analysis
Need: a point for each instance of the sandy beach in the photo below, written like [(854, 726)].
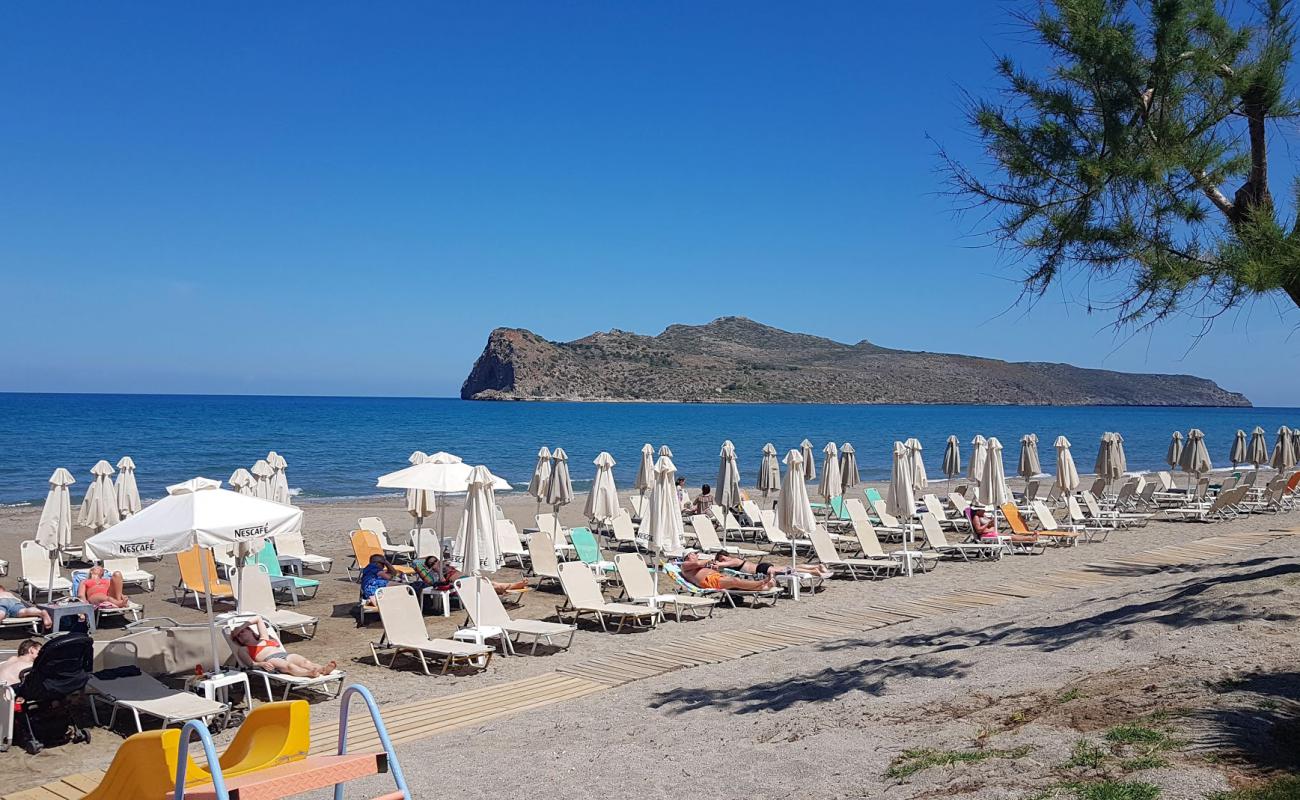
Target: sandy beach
[(1025, 681)]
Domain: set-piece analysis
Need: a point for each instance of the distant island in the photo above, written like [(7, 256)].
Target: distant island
[(737, 360)]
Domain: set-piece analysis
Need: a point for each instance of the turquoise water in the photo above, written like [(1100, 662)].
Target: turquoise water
[(337, 446)]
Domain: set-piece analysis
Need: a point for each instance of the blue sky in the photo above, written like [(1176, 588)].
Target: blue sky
[(345, 199)]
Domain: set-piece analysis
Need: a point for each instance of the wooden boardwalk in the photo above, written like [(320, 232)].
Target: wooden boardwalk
[(419, 720)]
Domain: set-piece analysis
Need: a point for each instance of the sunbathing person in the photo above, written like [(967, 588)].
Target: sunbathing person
[(429, 575), (102, 592), (376, 575), (702, 574), (12, 668), (257, 648), (728, 561), (11, 605), (986, 529)]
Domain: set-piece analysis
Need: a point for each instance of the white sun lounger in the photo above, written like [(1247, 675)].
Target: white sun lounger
[(639, 585), (510, 544), (584, 597), (291, 545), (485, 610), (376, 526), (144, 695), (826, 553), (254, 596), (326, 685), (706, 536), (35, 577), (132, 575), (405, 634), (869, 543), (966, 550)]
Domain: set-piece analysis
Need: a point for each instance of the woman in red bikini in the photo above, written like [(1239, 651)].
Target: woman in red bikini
[(257, 648), (103, 592)]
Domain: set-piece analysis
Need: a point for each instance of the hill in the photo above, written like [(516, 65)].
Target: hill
[(734, 359)]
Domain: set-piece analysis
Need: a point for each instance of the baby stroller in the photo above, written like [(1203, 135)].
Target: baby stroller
[(45, 692)]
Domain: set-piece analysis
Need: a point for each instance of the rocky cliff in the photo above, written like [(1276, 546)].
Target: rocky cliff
[(734, 359)]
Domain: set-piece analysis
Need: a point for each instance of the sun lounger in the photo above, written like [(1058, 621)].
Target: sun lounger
[(255, 597), (777, 538), (754, 596), (1050, 529), (706, 539), (193, 563), (405, 634), (485, 610), (512, 547), (143, 695), (639, 586), (624, 532), (825, 552), (132, 575), (1018, 528), (965, 550), (1092, 531), (1117, 519), (869, 543), (940, 514), (548, 523), (588, 550), (291, 545), (728, 522), (325, 685), (541, 557), (365, 544), (376, 526), (35, 577), (297, 588), (584, 597)]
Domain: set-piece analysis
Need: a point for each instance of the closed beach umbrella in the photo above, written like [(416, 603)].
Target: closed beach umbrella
[(241, 480), (128, 495), (665, 452), (55, 527), (663, 519), (993, 488), (197, 512), (560, 491), (796, 514), (1067, 475), (263, 480), (420, 503), (728, 489), (916, 464), (1257, 449), (849, 476), (830, 485), (901, 497), (541, 475), (1108, 463), (1029, 464), (769, 471), (1196, 457), (602, 500), (645, 471), (1121, 458), (809, 463), (952, 459), (99, 506), (279, 478), (476, 546), (1237, 455), (1284, 450), (1175, 452), (978, 452)]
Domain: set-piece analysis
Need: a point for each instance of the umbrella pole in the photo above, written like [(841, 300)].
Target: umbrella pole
[(212, 623), (49, 587), (794, 570), (442, 531)]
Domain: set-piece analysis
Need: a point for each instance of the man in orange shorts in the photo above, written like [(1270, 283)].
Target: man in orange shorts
[(702, 574)]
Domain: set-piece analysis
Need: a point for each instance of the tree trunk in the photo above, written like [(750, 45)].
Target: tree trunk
[(1254, 192)]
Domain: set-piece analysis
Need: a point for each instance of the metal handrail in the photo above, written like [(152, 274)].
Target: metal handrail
[(373, 708), (209, 750)]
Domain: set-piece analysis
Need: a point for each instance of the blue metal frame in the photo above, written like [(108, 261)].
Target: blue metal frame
[(209, 750)]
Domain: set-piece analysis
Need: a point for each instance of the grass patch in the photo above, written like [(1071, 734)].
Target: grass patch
[(1116, 790), (1067, 696), (1143, 762), (1138, 735), (1281, 789), (914, 761), (1086, 755)]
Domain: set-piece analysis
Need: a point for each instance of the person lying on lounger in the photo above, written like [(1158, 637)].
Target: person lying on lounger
[(728, 561), (12, 668), (260, 650), (430, 575), (702, 574), (11, 605), (101, 591)]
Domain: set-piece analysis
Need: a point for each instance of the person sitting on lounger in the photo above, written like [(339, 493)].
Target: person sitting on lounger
[(258, 649), (702, 574), (11, 605), (986, 530), (728, 561), (376, 575), (101, 591), (703, 502), (430, 575), (12, 668)]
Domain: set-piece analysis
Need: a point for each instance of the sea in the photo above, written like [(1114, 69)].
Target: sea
[(337, 447)]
